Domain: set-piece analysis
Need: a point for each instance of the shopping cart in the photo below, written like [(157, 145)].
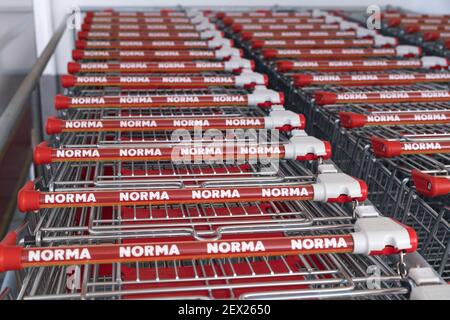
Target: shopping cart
[(135, 224)]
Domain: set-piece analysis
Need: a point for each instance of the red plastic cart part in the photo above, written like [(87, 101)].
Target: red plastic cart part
[(32, 200), (149, 45), (56, 126), (149, 55), (389, 15), (220, 152), (262, 14), (153, 67), (138, 27), (384, 148), (144, 101), (160, 13), (370, 79), (328, 53), (144, 36), (148, 82), (272, 278), (355, 120), (326, 97), (348, 65), (413, 28), (286, 27), (429, 185), (394, 22), (136, 20), (220, 171), (362, 241), (293, 35), (311, 43), (17, 258), (436, 35), (228, 21)]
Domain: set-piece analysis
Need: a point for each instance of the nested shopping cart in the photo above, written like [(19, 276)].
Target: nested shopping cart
[(115, 216)]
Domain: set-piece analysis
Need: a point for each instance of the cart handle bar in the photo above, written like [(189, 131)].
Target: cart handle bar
[(14, 257), (330, 187), (384, 148), (429, 185)]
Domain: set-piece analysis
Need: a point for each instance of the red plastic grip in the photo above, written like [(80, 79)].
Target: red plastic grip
[(413, 240), (80, 44), (73, 67), (42, 154), (61, 102), (82, 35), (431, 36), (412, 28), (77, 54), (237, 27), (10, 258), (394, 22), (429, 185), (383, 148), (284, 65), (54, 125), (246, 35), (302, 80), (352, 120), (324, 97), (68, 81), (28, 198)]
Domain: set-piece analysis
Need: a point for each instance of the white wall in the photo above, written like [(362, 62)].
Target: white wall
[(49, 14)]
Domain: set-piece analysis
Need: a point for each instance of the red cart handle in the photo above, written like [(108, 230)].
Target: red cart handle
[(299, 148), (330, 187), (429, 185), (261, 98), (154, 45), (275, 35), (136, 20), (147, 27), (384, 148), (311, 43), (399, 51), (286, 27), (149, 36), (394, 22), (283, 120), (355, 120), (245, 80), (372, 236), (157, 55), (436, 35), (160, 13), (262, 14), (235, 65), (370, 79), (387, 15), (325, 97), (228, 21), (427, 62), (413, 28)]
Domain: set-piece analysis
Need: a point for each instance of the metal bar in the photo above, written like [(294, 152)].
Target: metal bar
[(16, 106)]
